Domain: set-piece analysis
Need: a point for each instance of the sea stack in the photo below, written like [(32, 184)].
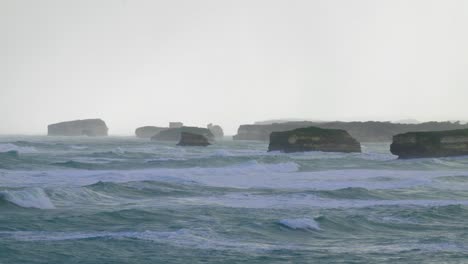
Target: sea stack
[(86, 127), (174, 134), (313, 139), (216, 130), (190, 139), (148, 131), (430, 144)]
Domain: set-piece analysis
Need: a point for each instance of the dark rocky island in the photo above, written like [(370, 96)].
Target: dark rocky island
[(190, 139), (148, 131), (430, 144), (174, 134), (313, 139), (86, 127), (216, 130), (362, 131)]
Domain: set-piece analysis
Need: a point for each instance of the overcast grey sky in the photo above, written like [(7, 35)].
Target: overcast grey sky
[(136, 63)]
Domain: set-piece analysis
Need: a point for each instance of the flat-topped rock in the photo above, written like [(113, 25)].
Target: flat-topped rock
[(430, 144), (85, 127), (190, 139), (313, 139), (174, 134), (176, 124), (148, 131)]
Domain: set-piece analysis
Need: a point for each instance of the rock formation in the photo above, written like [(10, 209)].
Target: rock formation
[(190, 139), (216, 130), (362, 131), (173, 134), (430, 144), (313, 139), (148, 131), (176, 124), (86, 127)]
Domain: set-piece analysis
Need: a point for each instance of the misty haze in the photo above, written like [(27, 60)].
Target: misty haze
[(215, 131)]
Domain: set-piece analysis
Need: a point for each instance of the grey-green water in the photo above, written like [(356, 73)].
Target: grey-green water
[(124, 200)]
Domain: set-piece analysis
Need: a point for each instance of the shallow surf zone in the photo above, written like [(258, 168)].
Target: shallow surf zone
[(124, 200)]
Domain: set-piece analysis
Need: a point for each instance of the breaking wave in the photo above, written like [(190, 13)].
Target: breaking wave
[(300, 223), (28, 198), (9, 147)]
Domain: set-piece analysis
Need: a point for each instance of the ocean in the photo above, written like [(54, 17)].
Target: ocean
[(129, 200)]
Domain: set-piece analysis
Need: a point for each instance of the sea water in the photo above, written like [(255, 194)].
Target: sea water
[(128, 200)]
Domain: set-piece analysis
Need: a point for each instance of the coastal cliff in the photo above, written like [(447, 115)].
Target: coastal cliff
[(86, 127), (430, 144), (362, 131), (313, 139)]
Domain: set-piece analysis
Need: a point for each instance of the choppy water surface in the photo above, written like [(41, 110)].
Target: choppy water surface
[(125, 200)]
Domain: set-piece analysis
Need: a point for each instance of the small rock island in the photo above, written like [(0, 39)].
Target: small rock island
[(191, 139), (313, 139), (430, 144), (85, 127), (174, 134)]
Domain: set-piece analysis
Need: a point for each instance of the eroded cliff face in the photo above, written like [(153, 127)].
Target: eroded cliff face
[(148, 131), (174, 134), (430, 144), (216, 130), (86, 127), (362, 131), (190, 139), (313, 139)]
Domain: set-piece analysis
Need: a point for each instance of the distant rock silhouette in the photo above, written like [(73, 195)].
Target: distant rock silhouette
[(148, 131), (190, 139), (86, 127), (216, 130), (176, 124), (174, 134), (430, 144), (313, 139), (362, 131)]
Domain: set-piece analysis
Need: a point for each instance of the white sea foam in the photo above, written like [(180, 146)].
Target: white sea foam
[(28, 198), (300, 223), (12, 147), (78, 147), (202, 239), (239, 175)]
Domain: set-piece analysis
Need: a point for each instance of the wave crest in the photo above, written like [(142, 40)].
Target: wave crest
[(300, 223), (9, 147), (28, 198)]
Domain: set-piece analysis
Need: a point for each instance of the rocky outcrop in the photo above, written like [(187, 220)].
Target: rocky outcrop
[(86, 127), (148, 131), (176, 124), (216, 130), (430, 144), (313, 139), (190, 139), (174, 134), (362, 131)]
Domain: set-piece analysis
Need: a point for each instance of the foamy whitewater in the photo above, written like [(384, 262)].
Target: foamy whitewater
[(128, 200)]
